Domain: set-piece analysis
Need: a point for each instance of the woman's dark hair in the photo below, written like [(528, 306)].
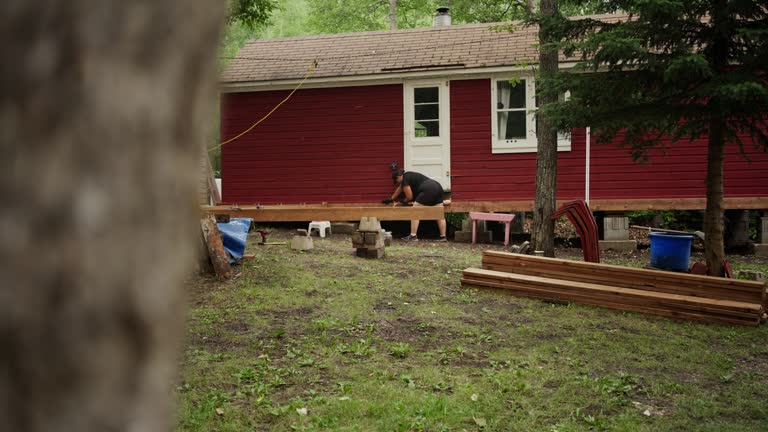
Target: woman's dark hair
[(396, 174)]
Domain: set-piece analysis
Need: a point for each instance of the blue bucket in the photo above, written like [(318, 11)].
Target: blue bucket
[(670, 251)]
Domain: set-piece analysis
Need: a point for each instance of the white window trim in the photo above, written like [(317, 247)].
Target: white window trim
[(530, 143)]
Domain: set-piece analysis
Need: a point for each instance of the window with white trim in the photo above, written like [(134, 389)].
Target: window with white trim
[(513, 122)]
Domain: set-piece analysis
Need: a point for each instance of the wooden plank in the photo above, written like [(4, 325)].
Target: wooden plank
[(617, 274), (459, 206), (663, 311), (327, 213), (635, 284), (588, 298), (635, 281), (760, 203), (215, 195), (649, 274), (611, 290), (628, 273), (216, 252), (560, 291), (623, 307)]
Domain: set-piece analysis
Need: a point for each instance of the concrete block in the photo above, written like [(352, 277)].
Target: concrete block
[(370, 253), (343, 227), (369, 224), (616, 227), (466, 225), (466, 237), (358, 237), (618, 245), (750, 275), (738, 228), (761, 249), (524, 247), (517, 223), (764, 229), (374, 240), (302, 243), (370, 237)]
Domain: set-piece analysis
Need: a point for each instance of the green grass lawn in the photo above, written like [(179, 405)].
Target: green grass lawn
[(322, 340)]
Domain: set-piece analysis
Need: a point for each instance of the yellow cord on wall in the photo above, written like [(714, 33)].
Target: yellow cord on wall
[(312, 68)]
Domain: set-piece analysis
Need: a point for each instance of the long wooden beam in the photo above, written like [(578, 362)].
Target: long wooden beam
[(354, 211), (740, 203), (326, 213)]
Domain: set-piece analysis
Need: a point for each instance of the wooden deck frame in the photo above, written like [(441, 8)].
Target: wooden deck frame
[(335, 213), (614, 205), (341, 212)]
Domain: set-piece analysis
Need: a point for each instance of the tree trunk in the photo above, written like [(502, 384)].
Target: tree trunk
[(546, 156), (102, 105), (393, 14), (714, 249)]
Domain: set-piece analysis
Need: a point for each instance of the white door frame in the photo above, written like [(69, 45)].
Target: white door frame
[(411, 141)]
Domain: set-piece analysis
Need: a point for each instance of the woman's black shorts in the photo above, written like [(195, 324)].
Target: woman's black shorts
[(430, 193)]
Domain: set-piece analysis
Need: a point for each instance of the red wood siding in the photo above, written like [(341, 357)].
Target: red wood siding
[(678, 172), (335, 145), (323, 145), (479, 175)]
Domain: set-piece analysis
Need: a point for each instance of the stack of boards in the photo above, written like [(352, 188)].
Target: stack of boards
[(670, 294)]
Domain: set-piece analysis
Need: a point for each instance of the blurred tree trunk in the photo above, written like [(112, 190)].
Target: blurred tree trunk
[(543, 234), (101, 107)]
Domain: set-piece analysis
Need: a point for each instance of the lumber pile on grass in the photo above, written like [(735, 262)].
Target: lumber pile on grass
[(670, 294)]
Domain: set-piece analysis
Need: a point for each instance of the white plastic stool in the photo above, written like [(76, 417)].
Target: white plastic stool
[(320, 226)]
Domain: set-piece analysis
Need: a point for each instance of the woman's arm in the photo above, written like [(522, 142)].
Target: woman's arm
[(398, 191), (408, 193)]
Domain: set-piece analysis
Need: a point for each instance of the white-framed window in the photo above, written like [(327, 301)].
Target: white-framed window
[(513, 117)]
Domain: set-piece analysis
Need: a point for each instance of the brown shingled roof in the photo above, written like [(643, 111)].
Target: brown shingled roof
[(467, 46)]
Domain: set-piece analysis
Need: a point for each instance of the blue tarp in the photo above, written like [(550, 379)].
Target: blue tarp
[(234, 234)]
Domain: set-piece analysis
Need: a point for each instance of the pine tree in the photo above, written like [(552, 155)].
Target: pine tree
[(671, 69)]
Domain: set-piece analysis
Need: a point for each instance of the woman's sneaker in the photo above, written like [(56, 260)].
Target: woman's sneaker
[(443, 239), (411, 237)]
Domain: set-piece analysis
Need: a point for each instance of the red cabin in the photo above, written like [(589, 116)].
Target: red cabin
[(453, 102)]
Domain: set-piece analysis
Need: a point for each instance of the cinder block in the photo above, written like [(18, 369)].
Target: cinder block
[(302, 243), (466, 225), (375, 239), (369, 224), (370, 253), (616, 227), (738, 229), (761, 249), (764, 229), (750, 275), (343, 227), (358, 238), (619, 245)]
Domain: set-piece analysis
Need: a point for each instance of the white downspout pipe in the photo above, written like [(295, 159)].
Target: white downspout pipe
[(586, 168)]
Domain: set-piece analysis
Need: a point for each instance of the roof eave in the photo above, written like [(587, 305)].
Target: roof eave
[(378, 78)]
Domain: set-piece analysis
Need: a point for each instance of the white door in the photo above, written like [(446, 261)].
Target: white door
[(427, 129)]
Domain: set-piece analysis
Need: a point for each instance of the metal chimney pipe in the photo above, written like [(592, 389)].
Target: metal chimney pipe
[(442, 17)]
